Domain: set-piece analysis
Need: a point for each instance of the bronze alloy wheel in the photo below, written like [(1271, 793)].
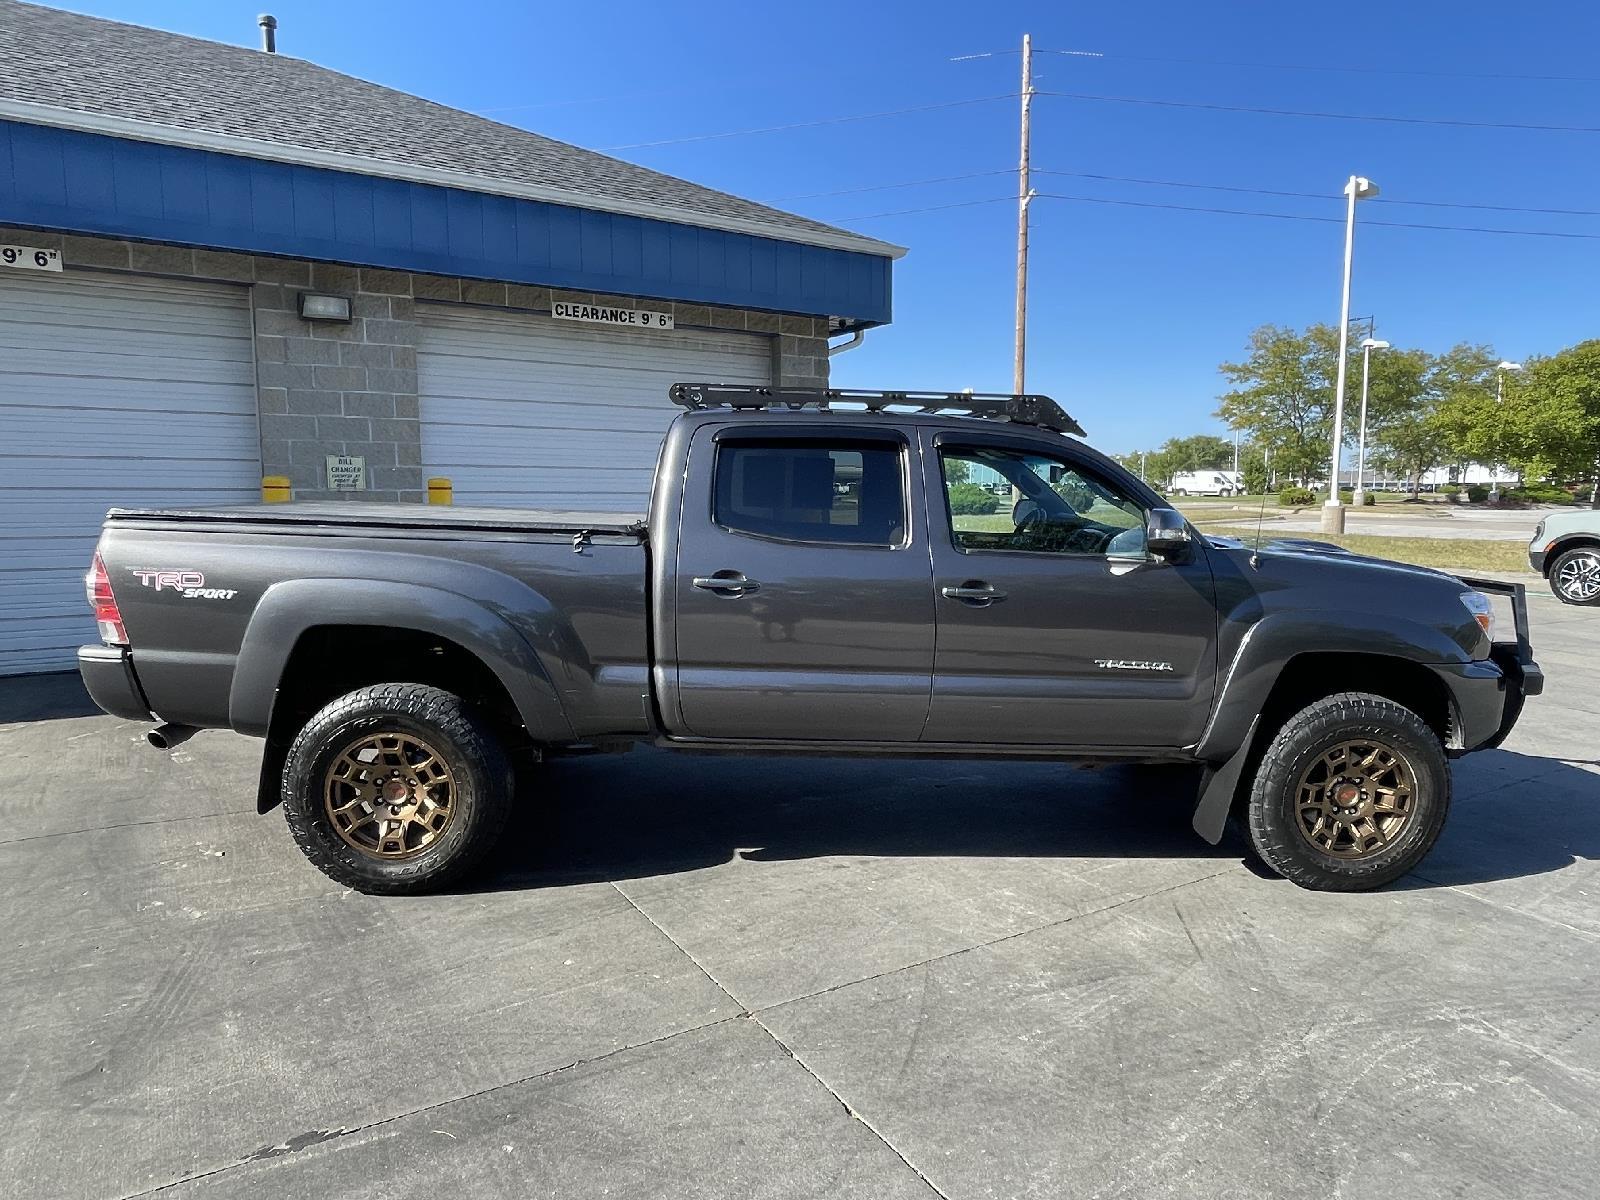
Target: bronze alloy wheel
[(389, 795), (1355, 799)]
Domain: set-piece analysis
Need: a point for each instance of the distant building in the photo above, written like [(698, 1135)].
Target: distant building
[(1437, 480)]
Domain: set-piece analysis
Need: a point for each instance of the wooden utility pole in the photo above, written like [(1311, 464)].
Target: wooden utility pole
[(1024, 196)]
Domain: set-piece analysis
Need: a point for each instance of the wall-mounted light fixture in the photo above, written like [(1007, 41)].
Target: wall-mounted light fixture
[(316, 307)]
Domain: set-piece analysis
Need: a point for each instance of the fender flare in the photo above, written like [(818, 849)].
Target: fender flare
[(1270, 644), (288, 609), (1266, 649)]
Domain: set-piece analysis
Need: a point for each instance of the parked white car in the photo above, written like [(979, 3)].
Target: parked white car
[(1566, 551), (1207, 483)]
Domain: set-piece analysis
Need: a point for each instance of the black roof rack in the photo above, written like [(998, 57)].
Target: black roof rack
[(1023, 410)]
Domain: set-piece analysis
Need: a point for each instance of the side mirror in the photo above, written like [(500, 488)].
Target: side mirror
[(1166, 533)]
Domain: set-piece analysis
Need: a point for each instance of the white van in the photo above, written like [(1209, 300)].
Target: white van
[(1207, 483)]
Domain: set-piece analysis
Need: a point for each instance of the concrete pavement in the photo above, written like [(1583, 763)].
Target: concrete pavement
[(773, 978)]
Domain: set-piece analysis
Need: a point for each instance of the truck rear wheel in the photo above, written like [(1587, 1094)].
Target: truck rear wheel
[(396, 788), (1350, 795)]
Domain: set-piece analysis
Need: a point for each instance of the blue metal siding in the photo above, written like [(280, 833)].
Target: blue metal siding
[(89, 183)]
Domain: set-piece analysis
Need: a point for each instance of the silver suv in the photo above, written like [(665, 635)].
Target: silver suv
[(1566, 551)]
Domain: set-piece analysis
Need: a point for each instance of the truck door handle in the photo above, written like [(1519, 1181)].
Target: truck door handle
[(973, 592), (727, 583)]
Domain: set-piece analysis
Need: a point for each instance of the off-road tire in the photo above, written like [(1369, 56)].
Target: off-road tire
[(481, 787), (1565, 558), (1272, 814)]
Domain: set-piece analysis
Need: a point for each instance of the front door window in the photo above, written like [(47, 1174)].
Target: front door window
[(1004, 499)]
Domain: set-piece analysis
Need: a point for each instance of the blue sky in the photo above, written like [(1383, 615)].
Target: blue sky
[(1131, 308)]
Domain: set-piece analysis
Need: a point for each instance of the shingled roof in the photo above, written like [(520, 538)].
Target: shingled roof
[(70, 70)]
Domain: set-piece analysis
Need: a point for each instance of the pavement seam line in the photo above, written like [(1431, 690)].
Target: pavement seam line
[(39, 837), (1032, 929), (849, 1111), (744, 1009), (1461, 890), (755, 1015), (341, 1134)]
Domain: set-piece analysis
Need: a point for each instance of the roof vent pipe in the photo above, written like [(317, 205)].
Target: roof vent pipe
[(269, 32)]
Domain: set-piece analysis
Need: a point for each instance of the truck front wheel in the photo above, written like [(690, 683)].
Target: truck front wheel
[(396, 788), (1350, 795)]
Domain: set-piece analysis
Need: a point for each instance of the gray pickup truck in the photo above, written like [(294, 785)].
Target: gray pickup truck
[(832, 573)]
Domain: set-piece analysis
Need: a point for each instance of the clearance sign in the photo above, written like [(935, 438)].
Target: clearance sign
[(597, 314)]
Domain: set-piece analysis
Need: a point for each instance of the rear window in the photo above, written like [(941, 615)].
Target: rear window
[(852, 493)]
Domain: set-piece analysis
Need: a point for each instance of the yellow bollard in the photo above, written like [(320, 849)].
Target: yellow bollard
[(275, 489), (440, 491)]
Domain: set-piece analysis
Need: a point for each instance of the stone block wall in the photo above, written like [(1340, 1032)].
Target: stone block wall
[(330, 388)]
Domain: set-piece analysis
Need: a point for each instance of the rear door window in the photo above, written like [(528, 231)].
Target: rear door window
[(851, 493)]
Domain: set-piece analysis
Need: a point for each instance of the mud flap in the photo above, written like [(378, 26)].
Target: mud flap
[(1218, 787), (269, 788)]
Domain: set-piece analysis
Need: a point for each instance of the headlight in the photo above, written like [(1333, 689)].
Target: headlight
[(1481, 609)]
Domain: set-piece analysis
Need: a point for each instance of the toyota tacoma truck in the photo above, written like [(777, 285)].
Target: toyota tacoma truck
[(832, 573)]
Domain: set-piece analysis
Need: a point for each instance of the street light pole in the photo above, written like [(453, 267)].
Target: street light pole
[(1500, 414), (1358, 188), (1024, 196), (1368, 345)]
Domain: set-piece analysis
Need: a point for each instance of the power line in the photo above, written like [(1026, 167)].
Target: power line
[(1231, 212), (1219, 187), (906, 212), (1172, 183), (1235, 212), (1328, 116), (888, 187), (898, 112), (1352, 70), (1315, 67)]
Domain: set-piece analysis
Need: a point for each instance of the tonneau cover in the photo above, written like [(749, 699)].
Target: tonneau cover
[(415, 516)]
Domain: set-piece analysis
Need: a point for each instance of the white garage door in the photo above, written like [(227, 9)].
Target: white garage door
[(114, 391), (525, 410)]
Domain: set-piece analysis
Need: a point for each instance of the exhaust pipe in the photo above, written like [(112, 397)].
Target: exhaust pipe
[(170, 736)]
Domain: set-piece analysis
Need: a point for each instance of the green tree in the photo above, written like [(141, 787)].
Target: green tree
[(1403, 435), (1552, 425), (1193, 453), (1461, 386), (1253, 466), (1282, 396)]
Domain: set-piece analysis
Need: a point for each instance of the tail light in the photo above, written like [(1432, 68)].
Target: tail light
[(98, 586)]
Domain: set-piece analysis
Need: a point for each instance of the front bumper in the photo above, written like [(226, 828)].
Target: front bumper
[(108, 674), (1488, 695), (1536, 557)]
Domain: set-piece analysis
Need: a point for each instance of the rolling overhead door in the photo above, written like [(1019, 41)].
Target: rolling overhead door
[(525, 410), (114, 391)]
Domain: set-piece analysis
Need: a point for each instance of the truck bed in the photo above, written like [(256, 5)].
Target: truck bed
[(390, 516), (192, 583)]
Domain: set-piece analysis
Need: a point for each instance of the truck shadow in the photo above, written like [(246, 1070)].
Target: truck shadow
[(647, 814)]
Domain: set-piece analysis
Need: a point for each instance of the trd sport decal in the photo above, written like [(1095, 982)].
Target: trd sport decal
[(189, 584)]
